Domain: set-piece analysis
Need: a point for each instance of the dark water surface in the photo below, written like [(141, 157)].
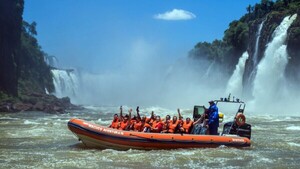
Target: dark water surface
[(41, 140)]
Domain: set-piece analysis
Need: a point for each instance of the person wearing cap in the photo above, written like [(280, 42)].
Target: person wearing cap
[(213, 121)]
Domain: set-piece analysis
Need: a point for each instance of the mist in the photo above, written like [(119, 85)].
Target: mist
[(148, 75), (149, 78)]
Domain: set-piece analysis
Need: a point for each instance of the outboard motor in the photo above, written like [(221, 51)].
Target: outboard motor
[(232, 128)]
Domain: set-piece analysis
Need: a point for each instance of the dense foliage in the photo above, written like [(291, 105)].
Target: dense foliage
[(34, 72)]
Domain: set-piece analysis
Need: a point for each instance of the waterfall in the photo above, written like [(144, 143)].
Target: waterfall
[(257, 43), (269, 80), (65, 82), (235, 83), (209, 69), (255, 54)]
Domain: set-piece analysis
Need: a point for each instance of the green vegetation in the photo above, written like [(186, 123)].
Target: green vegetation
[(34, 72), (23, 68), (237, 37)]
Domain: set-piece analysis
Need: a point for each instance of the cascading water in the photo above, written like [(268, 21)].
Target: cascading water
[(255, 54), (257, 43), (66, 83), (269, 80), (235, 83)]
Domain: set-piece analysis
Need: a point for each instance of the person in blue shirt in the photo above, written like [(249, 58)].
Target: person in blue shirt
[(213, 121)]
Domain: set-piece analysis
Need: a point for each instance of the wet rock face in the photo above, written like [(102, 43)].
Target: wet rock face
[(293, 48)]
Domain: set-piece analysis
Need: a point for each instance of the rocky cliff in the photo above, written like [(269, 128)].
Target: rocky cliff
[(24, 75)]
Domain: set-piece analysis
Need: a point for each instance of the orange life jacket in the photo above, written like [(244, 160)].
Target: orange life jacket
[(172, 126), (167, 124), (123, 125), (187, 126), (155, 123), (115, 124), (149, 120), (138, 126)]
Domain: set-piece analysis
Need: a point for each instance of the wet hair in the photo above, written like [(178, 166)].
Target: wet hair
[(169, 117)]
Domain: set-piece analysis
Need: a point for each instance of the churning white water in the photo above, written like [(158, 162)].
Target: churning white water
[(269, 80), (65, 82), (235, 83)]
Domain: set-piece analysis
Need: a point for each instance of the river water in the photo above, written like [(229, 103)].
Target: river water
[(41, 140)]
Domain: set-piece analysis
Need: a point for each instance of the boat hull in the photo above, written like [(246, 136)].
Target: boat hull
[(96, 136)]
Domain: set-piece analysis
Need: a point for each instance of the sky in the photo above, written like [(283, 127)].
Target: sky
[(99, 35)]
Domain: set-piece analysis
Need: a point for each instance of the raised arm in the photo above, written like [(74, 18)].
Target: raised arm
[(121, 111), (200, 119), (179, 115), (152, 114), (129, 119), (138, 112)]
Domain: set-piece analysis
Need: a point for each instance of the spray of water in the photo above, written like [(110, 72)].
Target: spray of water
[(147, 79)]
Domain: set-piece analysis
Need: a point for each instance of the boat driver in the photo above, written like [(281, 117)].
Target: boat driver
[(213, 121)]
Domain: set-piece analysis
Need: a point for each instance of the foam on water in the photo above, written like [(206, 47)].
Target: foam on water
[(296, 128), (49, 143), (294, 144), (30, 122)]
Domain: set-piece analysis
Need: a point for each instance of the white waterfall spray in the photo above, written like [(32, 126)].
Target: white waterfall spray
[(269, 80), (66, 83), (235, 83)]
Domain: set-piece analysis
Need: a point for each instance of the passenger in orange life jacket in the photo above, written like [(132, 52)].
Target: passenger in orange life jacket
[(138, 125), (157, 125), (173, 126), (151, 119), (149, 122), (187, 125), (125, 121), (166, 123), (115, 123)]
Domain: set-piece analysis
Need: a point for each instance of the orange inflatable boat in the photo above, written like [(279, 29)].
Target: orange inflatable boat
[(96, 136)]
